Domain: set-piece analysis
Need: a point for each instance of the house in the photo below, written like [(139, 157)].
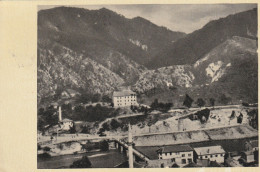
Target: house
[(66, 124), (69, 93), (169, 84), (180, 154), (211, 153), (248, 156), (124, 98)]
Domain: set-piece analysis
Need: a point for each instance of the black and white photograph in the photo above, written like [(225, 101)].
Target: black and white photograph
[(147, 86)]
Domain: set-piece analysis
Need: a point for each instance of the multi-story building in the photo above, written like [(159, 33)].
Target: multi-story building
[(124, 98), (180, 154), (211, 153)]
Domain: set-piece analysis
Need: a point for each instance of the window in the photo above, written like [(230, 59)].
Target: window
[(206, 156), (190, 160), (183, 161), (183, 155), (170, 153), (216, 155), (173, 159), (211, 156), (189, 154)]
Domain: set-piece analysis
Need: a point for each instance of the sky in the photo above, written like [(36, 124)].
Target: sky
[(176, 17)]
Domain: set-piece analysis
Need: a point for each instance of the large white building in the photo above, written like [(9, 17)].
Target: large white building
[(212, 153), (124, 98), (180, 154)]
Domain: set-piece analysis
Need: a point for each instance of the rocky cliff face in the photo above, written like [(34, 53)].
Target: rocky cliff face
[(198, 43), (230, 69)]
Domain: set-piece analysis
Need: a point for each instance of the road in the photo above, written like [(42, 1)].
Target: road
[(73, 137)]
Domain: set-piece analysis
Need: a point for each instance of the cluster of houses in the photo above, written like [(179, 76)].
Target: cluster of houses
[(207, 156)]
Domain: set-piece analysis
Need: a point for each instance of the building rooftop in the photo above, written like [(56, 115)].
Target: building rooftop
[(248, 153), (209, 150), (175, 148), (66, 120), (123, 93)]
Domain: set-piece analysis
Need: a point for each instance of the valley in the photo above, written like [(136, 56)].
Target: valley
[(103, 78)]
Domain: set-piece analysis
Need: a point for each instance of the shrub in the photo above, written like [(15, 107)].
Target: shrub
[(46, 149), (82, 163), (104, 145), (187, 101)]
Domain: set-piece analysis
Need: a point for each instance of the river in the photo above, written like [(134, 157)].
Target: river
[(107, 159)]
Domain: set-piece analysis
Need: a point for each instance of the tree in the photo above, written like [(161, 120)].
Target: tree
[(212, 101), (106, 98), (114, 124), (188, 101), (73, 128), (200, 102), (96, 97), (224, 99), (104, 146), (105, 126), (101, 131), (155, 104), (82, 163)]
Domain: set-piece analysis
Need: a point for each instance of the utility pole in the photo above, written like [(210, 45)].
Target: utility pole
[(130, 147)]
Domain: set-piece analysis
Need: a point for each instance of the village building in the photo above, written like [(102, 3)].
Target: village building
[(180, 154), (211, 153), (69, 93), (66, 124), (248, 156), (124, 98)]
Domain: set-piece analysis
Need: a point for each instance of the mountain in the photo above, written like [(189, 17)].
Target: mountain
[(96, 32), (94, 50), (229, 69), (195, 45), (98, 51)]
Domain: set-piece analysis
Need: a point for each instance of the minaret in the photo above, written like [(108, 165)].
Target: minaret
[(130, 147), (60, 116)]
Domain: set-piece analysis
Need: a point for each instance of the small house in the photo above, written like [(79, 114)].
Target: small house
[(66, 124), (211, 153), (248, 156), (180, 154)]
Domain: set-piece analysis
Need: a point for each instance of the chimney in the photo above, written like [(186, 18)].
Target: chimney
[(60, 116), (130, 147)]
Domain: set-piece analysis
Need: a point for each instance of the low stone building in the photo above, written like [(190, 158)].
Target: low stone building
[(248, 156), (211, 153), (180, 154)]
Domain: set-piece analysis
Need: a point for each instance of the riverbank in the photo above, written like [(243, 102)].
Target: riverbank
[(100, 159)]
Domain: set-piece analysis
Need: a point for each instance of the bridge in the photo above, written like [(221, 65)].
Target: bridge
[(123, 147)]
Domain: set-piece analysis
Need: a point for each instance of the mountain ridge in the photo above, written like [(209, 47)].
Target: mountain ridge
[(98, 51)]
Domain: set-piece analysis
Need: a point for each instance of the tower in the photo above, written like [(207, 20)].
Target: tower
[(130, 147), (60, 116)]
